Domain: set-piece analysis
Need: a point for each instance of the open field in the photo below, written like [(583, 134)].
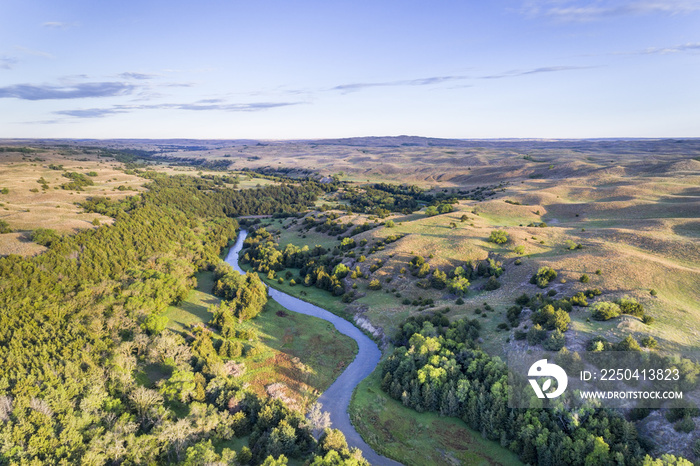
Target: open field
[(632, 205), (31, 204)]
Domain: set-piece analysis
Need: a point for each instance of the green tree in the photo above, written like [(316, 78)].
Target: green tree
[(605, 310), (458, 285), (155, 324), (543, 276), (498, 237)]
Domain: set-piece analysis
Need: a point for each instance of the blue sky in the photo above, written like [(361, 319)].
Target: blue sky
[(314, 69)]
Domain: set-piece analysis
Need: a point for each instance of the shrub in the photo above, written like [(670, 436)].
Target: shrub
[(503, 326), (5, 227), (584, 278), (498, 237), (492, 284), (513, 315), (685, 425), (439, 280), (390, 224), (231, 349), (579, 299), (680, 409), (459, 301), (631, 306), (555, 341), (423, 271), (543, 276), (44, 236), (649, 342), (375, 285), (523, 299), (596, 345), (459, 286), (653, 292), (519, 249), (519, 335), (536, 335), (431, 211), (628, 344), (605, 310), (647, 319), (155, 324)]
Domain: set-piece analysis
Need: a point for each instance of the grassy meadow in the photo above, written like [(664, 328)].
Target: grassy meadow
[(304, 353)]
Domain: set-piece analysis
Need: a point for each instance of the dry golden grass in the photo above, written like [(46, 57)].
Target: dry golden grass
[(25, 210), (636, 219), (632, 205)]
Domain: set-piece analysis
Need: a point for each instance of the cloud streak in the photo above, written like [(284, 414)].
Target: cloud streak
[(436, 80), (75, 91), (57, 25), (403, 82), (7, 63), (546, 69), (689, 47), (90, 112), (36, 53), (205, 105), (137, 76), (577, 11)]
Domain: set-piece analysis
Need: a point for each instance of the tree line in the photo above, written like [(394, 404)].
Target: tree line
[(89, 374), (437, 366)]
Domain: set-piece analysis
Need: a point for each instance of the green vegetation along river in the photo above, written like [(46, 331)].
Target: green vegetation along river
[(336, 399)]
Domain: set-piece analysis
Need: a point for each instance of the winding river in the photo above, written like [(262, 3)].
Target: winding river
[(336, 399)]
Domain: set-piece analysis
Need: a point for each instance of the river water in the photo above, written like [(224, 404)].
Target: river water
[(336, 399)]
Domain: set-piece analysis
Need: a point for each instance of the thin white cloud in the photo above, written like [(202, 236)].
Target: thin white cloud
[(582, 11), (135, 75), (75, 91), (202, 105), (403, 82), (459, 79), (546, 69), (90, 112), (7, 63), (693, 47), (58, 25), (35, 53)]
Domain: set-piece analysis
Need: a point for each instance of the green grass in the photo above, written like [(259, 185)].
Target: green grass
[(194, 309), (321, 298), (283, 336), (324, 351), (419, 438)]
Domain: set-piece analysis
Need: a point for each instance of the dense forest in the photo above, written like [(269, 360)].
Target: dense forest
[(438, 366), (81, 330)]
